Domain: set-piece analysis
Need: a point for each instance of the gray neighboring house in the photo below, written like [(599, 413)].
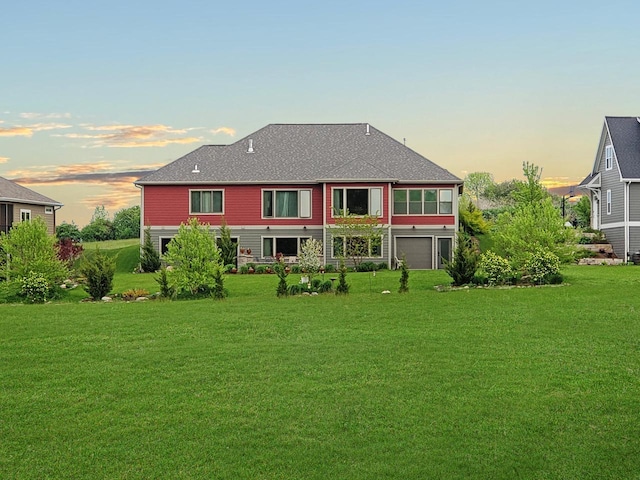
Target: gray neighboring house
[(19, 204), (614, 185), (285, 183)]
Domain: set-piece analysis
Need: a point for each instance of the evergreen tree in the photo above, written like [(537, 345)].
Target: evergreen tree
[(149, 258)]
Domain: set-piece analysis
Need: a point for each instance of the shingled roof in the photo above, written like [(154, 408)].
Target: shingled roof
[(304, 153), (625, 137), (12, 192)]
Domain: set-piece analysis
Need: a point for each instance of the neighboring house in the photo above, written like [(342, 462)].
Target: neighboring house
[(614, 185), (19, 204), (285, 183)]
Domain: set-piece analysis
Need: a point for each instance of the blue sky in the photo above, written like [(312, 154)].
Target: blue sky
[(92, 94)]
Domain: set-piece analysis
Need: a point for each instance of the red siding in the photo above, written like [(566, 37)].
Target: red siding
[(168, 205), (424, 220)]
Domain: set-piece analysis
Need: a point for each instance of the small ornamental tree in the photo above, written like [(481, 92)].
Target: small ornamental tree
[(343, 286), (404, 275), (357, 237), (281, 270), (228, 249), (149, 257), (463, 267), (32, 251), (310, 257), (69, 251), (195, 260), (98, 270)]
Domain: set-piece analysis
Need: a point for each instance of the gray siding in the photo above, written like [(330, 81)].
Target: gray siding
[(615, 236), (634, 239), (634, 202), (332, 260), (610, 180)]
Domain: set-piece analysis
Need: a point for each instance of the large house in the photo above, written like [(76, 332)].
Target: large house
[(286, 183), (614, 185), (19, 204)]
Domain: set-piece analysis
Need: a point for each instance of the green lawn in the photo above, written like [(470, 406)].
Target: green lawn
[(537, 383)]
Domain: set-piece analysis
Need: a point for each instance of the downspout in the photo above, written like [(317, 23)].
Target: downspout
[(141, 214), (390, 240), (324, 224), (626, 221)]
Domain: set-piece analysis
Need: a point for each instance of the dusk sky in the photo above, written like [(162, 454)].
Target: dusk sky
[(93, 94)]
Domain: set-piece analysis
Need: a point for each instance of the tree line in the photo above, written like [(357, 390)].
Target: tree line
[(125, 224)]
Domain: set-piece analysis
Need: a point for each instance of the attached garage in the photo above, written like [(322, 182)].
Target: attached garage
[(417, 250)]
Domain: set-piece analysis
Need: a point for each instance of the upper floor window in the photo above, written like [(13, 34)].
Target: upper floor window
[(286, 203), (48, 210), (25, 215), (357, 201), (428, 201), (206, 201), (608, 157)]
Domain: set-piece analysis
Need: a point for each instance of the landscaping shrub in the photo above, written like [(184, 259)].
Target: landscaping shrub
[(98, 270), (280, 269), (463, 267), (195, 260), (382, 266), (295, 289), (541, 266), (134, 293), (404, 275), (343, 286), (166, 289), (69, 251), (496, 269), (329, 268), (325, 287), (35, 287), (367, 267), (261, 269), (149, 257)]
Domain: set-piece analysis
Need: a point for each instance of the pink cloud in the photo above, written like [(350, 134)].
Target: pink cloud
[(4, 159), (133, 136), (226, 130)]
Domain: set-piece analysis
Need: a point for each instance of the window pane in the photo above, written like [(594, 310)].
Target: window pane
[(338, 244), (430, 202), (338, 201), (286, 204), (217, 202), (358, 201), (267, 247), (267, 203), (287, 246), (206, 205), (195, 202), (305, 203), (399, 202), (415, 202), (446, 203), (376, 247), (375, 201)]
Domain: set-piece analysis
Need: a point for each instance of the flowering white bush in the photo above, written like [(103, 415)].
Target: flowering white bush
[(541, 264), (496, 268), (310, 257)]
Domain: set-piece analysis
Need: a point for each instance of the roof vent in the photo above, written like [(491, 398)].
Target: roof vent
[(250, 149), (368, 132), (195, 169)]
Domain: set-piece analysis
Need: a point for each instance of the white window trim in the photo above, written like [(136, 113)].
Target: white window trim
[(372, 196), (206, 190), (608, 202), (23, 211), (48, 210), (608, 157), (300, 191), (438, 190)]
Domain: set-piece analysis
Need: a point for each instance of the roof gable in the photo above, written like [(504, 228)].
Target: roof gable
[(12, 192), (303, 153), (625, 138)]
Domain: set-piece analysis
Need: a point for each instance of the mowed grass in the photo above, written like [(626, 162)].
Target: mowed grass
[(502, 383)]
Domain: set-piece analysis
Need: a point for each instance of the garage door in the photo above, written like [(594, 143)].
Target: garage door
[(418, 251)]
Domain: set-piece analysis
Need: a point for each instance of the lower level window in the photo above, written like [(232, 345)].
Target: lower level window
[(287, 246), (356, 247)]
